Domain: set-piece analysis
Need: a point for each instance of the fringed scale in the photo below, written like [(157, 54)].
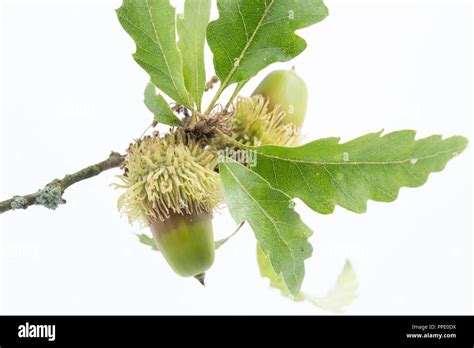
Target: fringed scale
[(165, 175), (255, 125)]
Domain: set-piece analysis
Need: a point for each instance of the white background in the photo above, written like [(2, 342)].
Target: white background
[(72, 92)]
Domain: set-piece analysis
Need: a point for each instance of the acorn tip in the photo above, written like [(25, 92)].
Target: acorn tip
[(201, 277)]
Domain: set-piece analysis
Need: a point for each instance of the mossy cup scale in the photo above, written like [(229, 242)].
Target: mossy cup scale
[(187, 242), (287, 88)]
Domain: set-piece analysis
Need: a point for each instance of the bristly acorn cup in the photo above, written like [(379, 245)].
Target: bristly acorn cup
[(171, 186), (275, 112)]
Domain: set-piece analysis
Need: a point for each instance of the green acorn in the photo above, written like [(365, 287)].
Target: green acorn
[(186, 241), (171, 186), (287, 89), (254, 124)]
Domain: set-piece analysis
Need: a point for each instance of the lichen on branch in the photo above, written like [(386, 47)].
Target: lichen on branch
[(50, 196)]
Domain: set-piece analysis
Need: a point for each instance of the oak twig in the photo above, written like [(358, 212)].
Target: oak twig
[(51, 195)]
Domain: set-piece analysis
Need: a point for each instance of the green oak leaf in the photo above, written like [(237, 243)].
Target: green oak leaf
[(151, 24), (340, 296), (267, 271), (277, 227), (324, 173), (192, 37), (252, 34), (160, 107)]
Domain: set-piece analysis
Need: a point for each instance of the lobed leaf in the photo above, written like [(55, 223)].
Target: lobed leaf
[(151, 24), (277, 227), (276, 281), (324, 173), (252, 34), (192, 36)]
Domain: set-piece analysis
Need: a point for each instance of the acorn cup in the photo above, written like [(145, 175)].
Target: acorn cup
[(172, 187), (254, 124), (273, 115), (287, 89)]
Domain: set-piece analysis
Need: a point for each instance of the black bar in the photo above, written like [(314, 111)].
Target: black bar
[(454, 331)]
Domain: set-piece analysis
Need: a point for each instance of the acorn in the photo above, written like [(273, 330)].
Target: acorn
[(172, 187), (287, 89), (186, 241), (254, 124)]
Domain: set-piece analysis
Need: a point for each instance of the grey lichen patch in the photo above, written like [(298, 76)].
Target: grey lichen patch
[(50, 197), (18, 202)]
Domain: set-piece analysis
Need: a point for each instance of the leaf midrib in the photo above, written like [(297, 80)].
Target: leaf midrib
[(323, 163), (198, 82), (247, 45), (158, 42)]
